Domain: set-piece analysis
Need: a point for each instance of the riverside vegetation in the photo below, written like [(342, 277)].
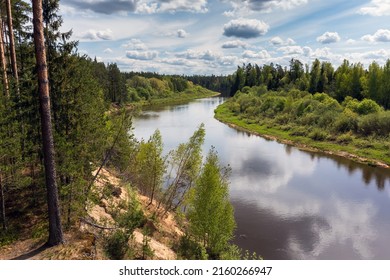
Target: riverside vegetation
[(316, 121), (342, 111), (91, 129)]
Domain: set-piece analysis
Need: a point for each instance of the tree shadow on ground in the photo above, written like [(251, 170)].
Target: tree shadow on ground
[(32, 253)]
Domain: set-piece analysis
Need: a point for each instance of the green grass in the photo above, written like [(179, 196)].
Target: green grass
[(374, 151)]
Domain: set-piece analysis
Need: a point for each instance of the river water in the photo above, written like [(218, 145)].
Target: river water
[(289, 204)]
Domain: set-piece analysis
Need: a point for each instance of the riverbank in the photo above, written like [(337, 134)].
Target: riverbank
[(370, 156)]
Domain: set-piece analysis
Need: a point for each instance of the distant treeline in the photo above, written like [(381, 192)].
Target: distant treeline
[(349, 79), (123, 87)]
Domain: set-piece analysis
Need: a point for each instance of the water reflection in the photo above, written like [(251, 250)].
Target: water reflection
[(289, 204)]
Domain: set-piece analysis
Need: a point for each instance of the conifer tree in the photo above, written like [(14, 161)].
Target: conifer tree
[(55, 227)]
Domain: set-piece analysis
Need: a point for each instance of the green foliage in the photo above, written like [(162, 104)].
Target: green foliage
[(184, 164), (147, 252), (189, 249), (317, 116), (375, 124), (318, 135), (116, 245), (8, 236), (150, 166), (368, 106), (345, 138), (132, 216), (346, 121), (210, 213)]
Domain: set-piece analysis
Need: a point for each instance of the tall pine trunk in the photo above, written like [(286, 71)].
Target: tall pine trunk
[(12, 46), (3, 60), (55, 227)]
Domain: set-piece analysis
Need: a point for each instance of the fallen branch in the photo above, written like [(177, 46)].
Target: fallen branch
[(96, 225)]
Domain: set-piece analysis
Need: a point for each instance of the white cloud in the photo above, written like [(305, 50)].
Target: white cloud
[(172, 6), (203, 55), (380, 56), (234, 44), (92, 34), (227, 60), (139, 55), (147, 8), (135, 44), (291, 50), (382, 35), (108, 50), (269, 6), (179, 62), (263, 54), (245, 7), (181, 33), (277, 41), (328, 38), (307, 51), (376, 8), (245, 28)]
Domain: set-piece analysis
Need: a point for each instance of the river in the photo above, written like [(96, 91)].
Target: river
[(289, 204)]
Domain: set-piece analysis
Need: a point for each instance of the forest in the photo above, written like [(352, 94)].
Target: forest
[(66, 120)]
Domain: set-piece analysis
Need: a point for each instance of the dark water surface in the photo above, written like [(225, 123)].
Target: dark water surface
[(289, 204)]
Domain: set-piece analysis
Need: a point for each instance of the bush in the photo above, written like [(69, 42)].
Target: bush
[(375, 124), (299, 131), (115, 245), (191, 250), (344, 138), (347, 121), (282, 119), (364, 107), (318, 135), (368, 106), (327, 119), (132, 218)]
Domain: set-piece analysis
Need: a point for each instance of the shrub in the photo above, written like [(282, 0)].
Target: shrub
[(299, 131), (344, 138), (282, 119), (115, 245), (368, 106), (347, 121), (318, 135), (327, 119), (375, 124), (191, 250)]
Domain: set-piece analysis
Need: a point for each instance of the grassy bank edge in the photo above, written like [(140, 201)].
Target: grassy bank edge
[(371, 157)]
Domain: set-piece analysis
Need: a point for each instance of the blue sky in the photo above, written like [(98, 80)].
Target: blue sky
[(214, 36)]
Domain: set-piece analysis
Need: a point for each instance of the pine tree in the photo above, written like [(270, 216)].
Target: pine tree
[(55, 227)]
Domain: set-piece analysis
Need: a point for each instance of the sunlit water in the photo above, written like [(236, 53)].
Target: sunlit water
[(289, 204)]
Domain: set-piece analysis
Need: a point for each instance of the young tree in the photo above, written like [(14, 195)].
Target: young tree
[(210, 212), (184, 166), (55, 227), (150, 166)]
